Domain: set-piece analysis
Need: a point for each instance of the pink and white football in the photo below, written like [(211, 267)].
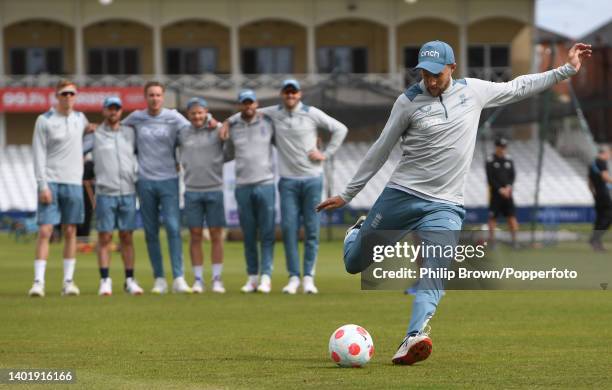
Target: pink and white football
[(351, 346)]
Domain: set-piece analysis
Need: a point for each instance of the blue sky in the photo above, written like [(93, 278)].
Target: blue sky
[(573, 18)]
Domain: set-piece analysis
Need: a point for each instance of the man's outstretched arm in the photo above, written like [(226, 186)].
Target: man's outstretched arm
[(496, 94)]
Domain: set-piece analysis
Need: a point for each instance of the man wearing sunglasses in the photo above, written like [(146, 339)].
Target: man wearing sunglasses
[(58, 167)]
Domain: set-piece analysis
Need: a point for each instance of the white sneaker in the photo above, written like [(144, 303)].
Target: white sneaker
[(160, 286), (356, 225), (217, 287), (308, 286), (198, 287), (292, 286), (106, 287), (37, 290), (70, 288), (131, 287), (413, 349), (251, 285), (180, 286), (265, 284)]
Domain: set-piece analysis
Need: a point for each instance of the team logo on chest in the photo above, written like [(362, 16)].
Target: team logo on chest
[(425, 109)]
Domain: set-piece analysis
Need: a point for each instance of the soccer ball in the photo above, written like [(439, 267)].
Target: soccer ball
[(351, 346)]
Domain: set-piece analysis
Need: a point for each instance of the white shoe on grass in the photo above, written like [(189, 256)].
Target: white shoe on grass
[(37, 290), (70, 289), (251, 285), (198, 287), (413, 349), (131, 287), (180, 286), (265, 284), (308, 286), (106, 287), (292, 287), (160, 286), (356, 225), (217, 286)]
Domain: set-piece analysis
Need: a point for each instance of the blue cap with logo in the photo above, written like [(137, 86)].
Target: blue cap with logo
[(291, 83), (112, 101), (434, 55), (197, 101), (247, 94)]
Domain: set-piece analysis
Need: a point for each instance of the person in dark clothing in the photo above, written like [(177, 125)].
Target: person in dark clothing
[(600, 183), (500, 176), (84, 229)]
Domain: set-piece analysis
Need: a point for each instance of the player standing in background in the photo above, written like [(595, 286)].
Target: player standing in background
[(600, 183), (84, 229), (301, 177), (157, 131), (500, 177), (113, 148), (201, 156), (58, 167), (435, 122), (250, 143)]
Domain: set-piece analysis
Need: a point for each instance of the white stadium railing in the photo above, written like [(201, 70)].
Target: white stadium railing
[(562, 184), (211, 81)]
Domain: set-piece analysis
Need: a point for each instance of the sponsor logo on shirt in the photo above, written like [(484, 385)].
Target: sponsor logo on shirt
[(428, 122)]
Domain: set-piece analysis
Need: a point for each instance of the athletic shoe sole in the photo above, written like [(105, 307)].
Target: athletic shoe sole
[(356, 225), (36, 295), (418, 352)]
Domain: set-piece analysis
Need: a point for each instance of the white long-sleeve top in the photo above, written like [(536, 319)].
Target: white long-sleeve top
[(57, 147), (295, 135), (437, 135)]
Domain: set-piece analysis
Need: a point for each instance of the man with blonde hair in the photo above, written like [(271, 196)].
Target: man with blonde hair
[(157, 131), (58, 167)]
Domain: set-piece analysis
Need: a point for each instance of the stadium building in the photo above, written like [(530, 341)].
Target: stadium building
[(352, 56)]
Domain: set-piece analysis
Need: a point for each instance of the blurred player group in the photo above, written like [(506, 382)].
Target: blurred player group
[(140, 157)]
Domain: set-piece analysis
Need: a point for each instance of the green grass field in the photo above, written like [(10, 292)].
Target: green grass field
[(482, 339)]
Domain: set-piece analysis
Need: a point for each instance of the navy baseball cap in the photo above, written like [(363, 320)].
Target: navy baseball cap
[(197, 101), (112, 101), (247, 94), (291, 83), (501, 141), (434, 55)]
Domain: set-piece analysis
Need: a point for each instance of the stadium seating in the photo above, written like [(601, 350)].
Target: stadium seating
[(562, 183), (17, 183)]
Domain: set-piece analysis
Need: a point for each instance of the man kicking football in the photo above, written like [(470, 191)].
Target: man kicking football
[(435, 121)]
